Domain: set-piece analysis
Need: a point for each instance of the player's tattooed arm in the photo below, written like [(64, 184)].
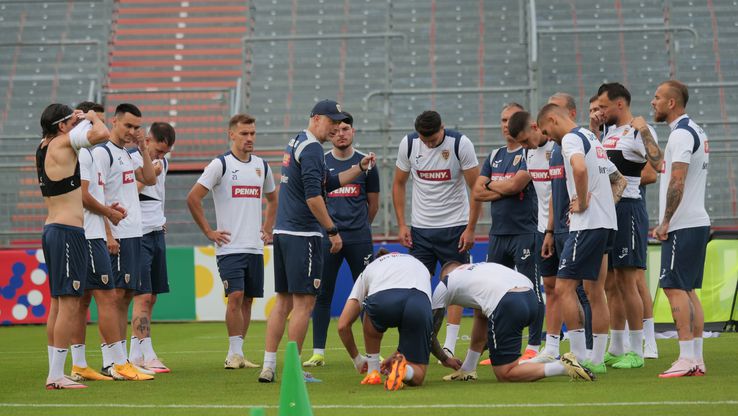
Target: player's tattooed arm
[(674, 194), (618, 184), (654, 154), (675, 191), (436, 348)]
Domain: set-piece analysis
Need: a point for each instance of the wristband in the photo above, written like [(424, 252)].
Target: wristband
[(486, 185), (548, 232), (332, 231)]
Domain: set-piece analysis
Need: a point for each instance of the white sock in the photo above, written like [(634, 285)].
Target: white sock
[(686, 349), (617, 336), (50, 352), (270, 360), (117, 352), (409, 372), (107, 359), (135, 354), (649, 333), (59, 358), (471, 360), (552, 345), (636, 342), (235, 345), (78, 355), (698, 348), (588, 354), (626, 341), (554, 369), (319, 351), (599, 345), (372, 362), (533, 347), (147, 349), (578, 344), (452, 332)]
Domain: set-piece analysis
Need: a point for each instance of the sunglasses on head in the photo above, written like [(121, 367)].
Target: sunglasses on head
[(65, 118)]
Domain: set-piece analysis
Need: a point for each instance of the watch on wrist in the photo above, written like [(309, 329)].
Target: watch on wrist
[(486, 185), (548, 232), (332, 231)]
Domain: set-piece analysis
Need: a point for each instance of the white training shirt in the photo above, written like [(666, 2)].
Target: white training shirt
[(440, 197), (623, 139), (237, 194), (152, 197), (691, 211), (392, 271), (538, 164), (479, 286), (89, 171), (601, 210), (119, 175)]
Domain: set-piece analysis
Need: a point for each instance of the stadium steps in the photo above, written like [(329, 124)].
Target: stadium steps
[(174, 45)]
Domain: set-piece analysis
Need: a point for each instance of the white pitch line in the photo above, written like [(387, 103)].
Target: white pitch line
[(373, 406)]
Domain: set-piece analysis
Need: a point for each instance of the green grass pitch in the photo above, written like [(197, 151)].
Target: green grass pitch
[(199, 385)]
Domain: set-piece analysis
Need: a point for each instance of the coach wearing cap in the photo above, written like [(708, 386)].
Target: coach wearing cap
[(301, 216)]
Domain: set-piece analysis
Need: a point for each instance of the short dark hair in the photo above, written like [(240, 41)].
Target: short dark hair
[(349, 118), (518, 123), (679, 90), (593, 98), (50, 118), (127, 108), (242, 118), (381, 252), (428, 123), (614, 90), (548, 109), (89, 105), (163, 132)]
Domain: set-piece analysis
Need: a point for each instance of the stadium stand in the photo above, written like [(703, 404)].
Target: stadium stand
[(183, 62)]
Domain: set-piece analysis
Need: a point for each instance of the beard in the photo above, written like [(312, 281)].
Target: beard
[(659, 117)]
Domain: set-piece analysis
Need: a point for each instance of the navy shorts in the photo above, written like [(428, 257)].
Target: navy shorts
[(431, 245), (99, 270), (127, 264), (298, 264), (683, 258), (242, 272), (65, 254), (550, 266), (154, 277), (514, 251), (581, 257), (515, 312), (408, 310), (631, 243)]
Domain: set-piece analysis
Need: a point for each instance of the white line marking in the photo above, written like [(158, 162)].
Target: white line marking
[(373, 406)]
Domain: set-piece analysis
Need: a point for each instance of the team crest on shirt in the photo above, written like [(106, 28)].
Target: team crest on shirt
[(626, 131), (316, 283), (548, 156), (258, 172), (105, 279), (75, 284), (127, 278), (517, 160), (445, 154)]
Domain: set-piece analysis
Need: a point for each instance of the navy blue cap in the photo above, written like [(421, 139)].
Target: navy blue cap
[(330, 109)]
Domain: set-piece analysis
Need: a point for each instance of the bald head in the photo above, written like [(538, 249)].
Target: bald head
[(676, 90), (566, 101), (669, 101)]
